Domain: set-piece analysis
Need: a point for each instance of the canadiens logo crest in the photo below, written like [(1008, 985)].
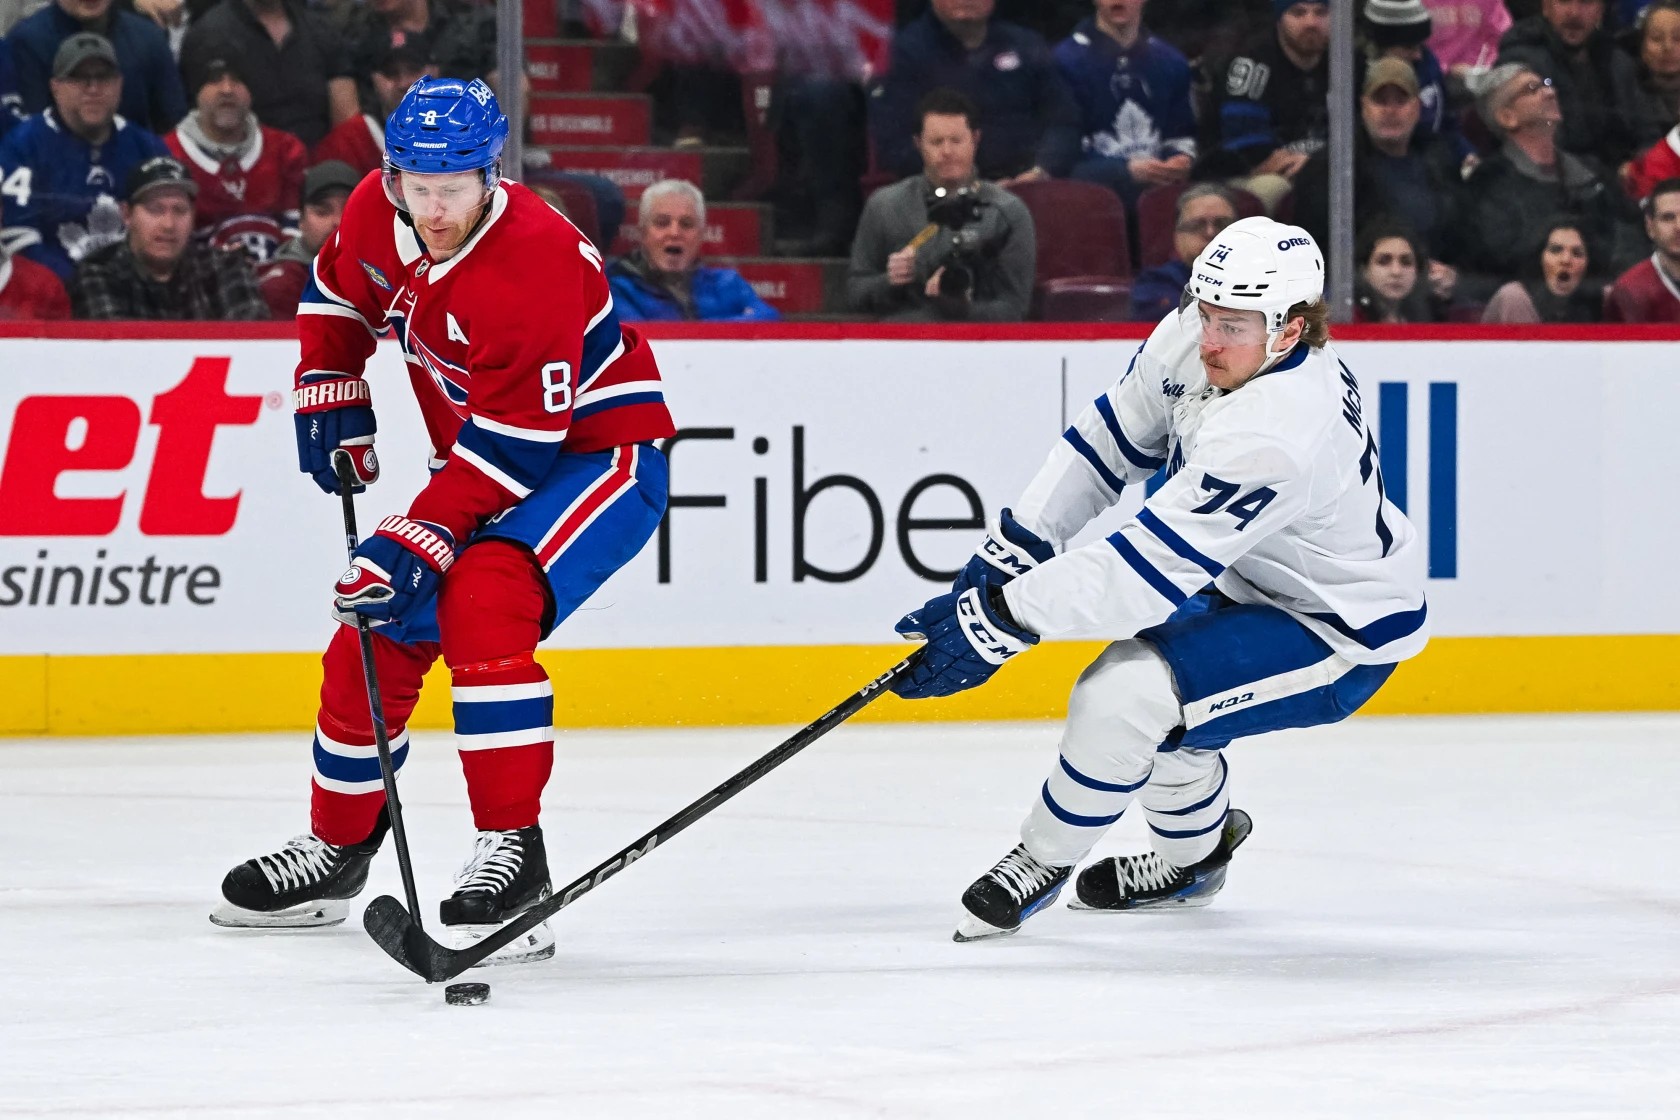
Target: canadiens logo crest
[(374, 274)]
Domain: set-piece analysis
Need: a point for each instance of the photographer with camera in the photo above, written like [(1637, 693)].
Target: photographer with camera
[(943, 245)]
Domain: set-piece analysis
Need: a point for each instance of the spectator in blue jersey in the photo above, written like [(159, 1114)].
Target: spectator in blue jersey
[(1029, 125), (1133, 93), (1274, 112), (11, 102), (159, 270), (1203, 211), (663, 278), (152, 95), (1401, 29), (63, 171)]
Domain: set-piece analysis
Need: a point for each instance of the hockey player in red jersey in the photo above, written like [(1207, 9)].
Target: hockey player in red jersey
[(541, 411)]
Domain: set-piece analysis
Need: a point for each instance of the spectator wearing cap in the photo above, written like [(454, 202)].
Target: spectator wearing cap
[(29, 290), (1203, 212), (1649, 292), (1403, 176), (1512, 194), (1465, 35), (294, 62), (360, 141), (1597, 82), (159, 270), (249, 175), (663, 278), (457, 38), (326, 186), (151, 87), (63, 171), (1133, 92), (1400, 29), (1029, 125), (1274, 112)]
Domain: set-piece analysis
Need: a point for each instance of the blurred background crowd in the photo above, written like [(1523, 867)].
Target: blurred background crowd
[(900, 160)]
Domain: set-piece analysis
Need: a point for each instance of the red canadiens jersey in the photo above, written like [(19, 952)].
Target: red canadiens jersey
[(359, 141), (30, 291), (1643, 295), (250, 202), (514, 349)]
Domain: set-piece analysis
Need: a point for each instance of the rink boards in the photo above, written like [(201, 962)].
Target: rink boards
[(163, 566)]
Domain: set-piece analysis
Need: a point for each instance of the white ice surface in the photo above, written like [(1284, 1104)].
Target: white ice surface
[(1466, 917)]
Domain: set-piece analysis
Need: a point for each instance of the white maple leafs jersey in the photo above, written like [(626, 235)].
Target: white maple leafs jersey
[(1275, 496)]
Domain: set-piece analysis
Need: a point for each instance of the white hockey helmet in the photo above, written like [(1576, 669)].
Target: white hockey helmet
[(1259, 265)]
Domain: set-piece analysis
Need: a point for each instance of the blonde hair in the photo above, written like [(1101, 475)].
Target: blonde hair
[(1315, 326)]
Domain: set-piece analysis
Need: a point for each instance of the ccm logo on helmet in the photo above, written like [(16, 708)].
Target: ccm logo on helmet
[(1290, 243)]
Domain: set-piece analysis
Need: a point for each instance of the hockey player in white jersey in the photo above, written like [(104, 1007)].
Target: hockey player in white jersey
[(1269, 583)]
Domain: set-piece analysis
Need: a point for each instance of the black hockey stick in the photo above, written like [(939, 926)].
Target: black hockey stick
[(346, 471), (396, 931)]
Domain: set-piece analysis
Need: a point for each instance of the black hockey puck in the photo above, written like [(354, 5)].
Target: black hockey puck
[(467, 995)]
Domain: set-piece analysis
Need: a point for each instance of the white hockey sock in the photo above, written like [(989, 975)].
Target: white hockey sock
[(1121, 708), (1185, 802)]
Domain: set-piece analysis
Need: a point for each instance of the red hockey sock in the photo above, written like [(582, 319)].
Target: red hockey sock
[(347, 790), (490, 613)]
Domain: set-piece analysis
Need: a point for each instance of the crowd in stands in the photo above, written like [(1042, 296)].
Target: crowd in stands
[(1514, 160)]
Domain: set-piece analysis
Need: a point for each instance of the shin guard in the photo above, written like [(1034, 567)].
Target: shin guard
[(347, 790), (490, 614)]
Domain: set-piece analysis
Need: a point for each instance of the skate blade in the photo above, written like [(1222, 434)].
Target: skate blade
[(970, 928), (1196, 902), (533, 945), (307, 915)]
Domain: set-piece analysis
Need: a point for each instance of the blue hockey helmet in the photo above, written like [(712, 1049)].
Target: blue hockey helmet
[(445, 125)]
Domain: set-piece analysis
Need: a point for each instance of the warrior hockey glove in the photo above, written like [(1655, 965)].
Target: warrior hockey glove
[(1009, 551), (394, 572), (969, 634), (334, 412)]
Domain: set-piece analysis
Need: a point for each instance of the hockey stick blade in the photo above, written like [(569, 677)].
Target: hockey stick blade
[(395, 931)]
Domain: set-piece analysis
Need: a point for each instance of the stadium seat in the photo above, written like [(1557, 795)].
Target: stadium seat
[(1086, 299), (1081, 229)]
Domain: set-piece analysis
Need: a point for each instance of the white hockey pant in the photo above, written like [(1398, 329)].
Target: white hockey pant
[(1123, 707)]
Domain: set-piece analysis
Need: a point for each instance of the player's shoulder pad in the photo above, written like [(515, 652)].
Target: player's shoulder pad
[(1171, 343), (1288, 412), (368, 200)]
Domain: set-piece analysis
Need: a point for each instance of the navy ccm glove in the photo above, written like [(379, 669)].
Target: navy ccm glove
[(394, 572), (969, 634), (1009, 550), (334, 412)]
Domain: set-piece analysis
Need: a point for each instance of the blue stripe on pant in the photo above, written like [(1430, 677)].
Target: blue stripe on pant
[(607, 544), (1218, 649)]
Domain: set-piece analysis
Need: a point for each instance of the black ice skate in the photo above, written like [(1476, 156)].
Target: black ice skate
[(309, 882), (507, 875), (1148, 882), (1011, 892)]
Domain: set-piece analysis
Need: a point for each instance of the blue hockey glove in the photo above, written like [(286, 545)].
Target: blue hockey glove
[(394, 572), (1008, 551), (969, 634), (334, 412)]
